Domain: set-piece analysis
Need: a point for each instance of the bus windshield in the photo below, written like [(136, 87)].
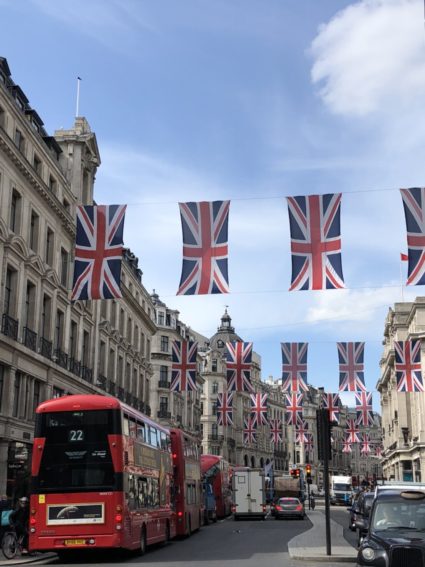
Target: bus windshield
[(343, 487), (76, 454)]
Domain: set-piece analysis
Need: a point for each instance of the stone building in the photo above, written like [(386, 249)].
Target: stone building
[(176, 409), (49, 346), (403, 414)]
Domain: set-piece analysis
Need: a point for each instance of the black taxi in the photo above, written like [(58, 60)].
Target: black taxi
[(396, 534)]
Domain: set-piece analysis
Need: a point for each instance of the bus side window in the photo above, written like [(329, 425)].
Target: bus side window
[(164, 446), (168, 443), (141, 432), (142, 483), (132, 425), (154, 440), (126, 426)]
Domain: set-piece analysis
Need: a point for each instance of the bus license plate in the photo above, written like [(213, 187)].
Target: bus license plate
[(75, 542)]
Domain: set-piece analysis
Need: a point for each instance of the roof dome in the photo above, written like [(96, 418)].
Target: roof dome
[(225, 333)]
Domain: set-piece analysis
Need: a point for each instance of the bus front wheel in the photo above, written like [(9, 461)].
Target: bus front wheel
[(143, 543)]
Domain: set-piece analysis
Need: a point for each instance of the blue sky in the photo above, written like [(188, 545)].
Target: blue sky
[(250, 101)]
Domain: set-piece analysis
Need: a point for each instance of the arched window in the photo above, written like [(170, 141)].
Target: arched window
[(253, 462), (245, 460)]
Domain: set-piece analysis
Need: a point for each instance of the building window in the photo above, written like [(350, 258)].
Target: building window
[(111, 365), (36, 395), (19, 140), (67, 206), (214, 387), (16, 394), (163, 403), (122, 322), (15, 211), (34, 229), (73, 339), (1, 383), (86, 348), (10, 291), (58, 392), (46, 317), (2, 118), (163, 373), (60, 317), (214, 430), (49, 247), (164, 343), (29, 315), (161, 318), (64, 267), (129, 329), (214, 408), (37, 165), (214, 365)]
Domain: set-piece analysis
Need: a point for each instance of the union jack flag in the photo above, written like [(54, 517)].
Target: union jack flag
[(183, 368), (294, 367), (351, 367), (309, 443), (332, 403), (378, 451), (301, 431), (259, 409), (294, 408), (408, 366), (205, 249), (225, 408), (316, 242), (276, 434), (364, 408), (352, 431), (98, 252), (346, 446), (414, 202), (365, 448), (249, 432), (238, 361)]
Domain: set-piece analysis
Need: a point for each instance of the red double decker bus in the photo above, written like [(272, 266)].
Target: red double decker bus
[(187, 482), (102, 477), (215, 470)]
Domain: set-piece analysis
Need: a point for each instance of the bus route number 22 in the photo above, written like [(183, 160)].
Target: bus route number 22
[(76, 435)]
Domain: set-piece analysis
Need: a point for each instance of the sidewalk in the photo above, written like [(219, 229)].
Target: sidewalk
[(311, 545), (29, 559)]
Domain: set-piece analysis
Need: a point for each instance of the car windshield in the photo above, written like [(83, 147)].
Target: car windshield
[(407, 515)]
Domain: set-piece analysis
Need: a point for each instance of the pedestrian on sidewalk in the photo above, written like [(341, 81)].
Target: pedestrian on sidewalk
[(312, 502), (19, 519)]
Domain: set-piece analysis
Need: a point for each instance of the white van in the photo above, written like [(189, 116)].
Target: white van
[(249, 494)]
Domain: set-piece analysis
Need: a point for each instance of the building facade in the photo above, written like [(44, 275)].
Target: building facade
[(49, 346), (403, 413)]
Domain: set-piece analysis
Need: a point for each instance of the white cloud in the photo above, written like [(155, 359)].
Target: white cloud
[(370, 57)]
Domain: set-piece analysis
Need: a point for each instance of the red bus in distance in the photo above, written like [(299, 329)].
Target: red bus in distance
[(215, 470), (101, 477), (187, 482)]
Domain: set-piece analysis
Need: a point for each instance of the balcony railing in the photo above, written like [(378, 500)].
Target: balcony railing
[(164, 414), (121, 393), (134, 402), (10, 327), (29, 338), (75, 366), (141, 406), (164, 384), (61, 358), (215, 437), (128, 398), (111, 388), (87, 374), (46, 347), (101, 382), (147, 409)]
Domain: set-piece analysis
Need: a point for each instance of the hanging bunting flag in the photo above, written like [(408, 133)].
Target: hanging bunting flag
[(315, 242), (365, 447), (259, 408), (294, 408), (309, 443), (346, 447), (98, 252), (408, 366), (352, 431), (276, 433), (301, 430), (238, 363), (249, 432), (225, 409), (414, 203), (404, 257), (364, 408), (378, 451), (294, 367), (183, 368), (332, 403), (205, 249), (351, 367)]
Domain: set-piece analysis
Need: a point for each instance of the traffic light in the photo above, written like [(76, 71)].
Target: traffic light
[(295, 473), (308, 473), (324, 428)]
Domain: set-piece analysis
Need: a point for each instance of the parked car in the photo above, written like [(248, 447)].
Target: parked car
[(353, 511), (288, 507), (364, 505), (396, 530)]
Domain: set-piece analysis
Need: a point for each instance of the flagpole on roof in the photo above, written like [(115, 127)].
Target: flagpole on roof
[(77, 110)]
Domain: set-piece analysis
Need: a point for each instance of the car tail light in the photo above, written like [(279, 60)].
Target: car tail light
[(233, 508), (264, 507), (179, 514), (278, 507), (299, 507), (118, 518), (33, 521)]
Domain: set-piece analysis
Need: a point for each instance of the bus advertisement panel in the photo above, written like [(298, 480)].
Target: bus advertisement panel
[(216, 471), (187, 482), (101, 477)]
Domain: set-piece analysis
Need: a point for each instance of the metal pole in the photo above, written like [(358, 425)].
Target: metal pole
[(326, 456), (308, 495)]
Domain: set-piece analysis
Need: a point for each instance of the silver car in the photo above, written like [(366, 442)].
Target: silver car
[(289, 507)]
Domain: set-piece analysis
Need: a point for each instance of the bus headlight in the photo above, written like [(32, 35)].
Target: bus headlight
[(368, 553), (32, 530)]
